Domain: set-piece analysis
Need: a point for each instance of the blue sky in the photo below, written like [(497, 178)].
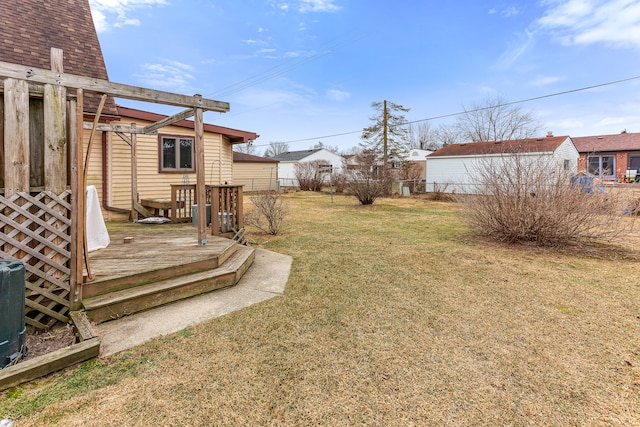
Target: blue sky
[(299, 71)]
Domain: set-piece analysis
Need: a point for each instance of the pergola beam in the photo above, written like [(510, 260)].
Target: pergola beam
[(118, 90), (153, 128)]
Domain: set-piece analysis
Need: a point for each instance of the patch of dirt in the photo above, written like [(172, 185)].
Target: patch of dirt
[(41, 342)]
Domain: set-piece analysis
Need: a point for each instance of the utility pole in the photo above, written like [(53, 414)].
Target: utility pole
[(384, 136)]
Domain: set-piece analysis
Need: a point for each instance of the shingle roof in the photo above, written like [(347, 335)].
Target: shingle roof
[(249, 158), (617, 142), (235, 136), (294, 156), (30, 28), (530, 145)]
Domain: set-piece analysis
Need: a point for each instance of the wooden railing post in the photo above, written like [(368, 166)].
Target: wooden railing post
[(226, 209), (215, 210), (239, 215)]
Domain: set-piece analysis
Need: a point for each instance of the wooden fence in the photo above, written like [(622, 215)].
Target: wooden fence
[(35, 228)]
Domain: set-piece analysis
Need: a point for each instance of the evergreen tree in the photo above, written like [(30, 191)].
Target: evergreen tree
[(389, 132)]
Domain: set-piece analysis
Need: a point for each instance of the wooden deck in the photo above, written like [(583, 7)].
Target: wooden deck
[(153, 247), (162, 263)]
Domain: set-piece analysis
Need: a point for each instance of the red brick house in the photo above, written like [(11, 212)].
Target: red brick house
[(608, 156)]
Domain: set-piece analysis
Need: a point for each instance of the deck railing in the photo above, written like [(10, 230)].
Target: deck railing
[(226, 203), (223, 201)]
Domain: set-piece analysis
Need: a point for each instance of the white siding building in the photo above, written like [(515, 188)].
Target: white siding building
[(453, 167), (287, 161)]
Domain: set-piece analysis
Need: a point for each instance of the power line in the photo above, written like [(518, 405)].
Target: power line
[(443, 116)]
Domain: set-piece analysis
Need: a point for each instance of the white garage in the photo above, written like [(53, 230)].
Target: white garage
[(288, 160), (454, 167)]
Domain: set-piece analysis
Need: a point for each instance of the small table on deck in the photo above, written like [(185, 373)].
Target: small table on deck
[(161, 207)]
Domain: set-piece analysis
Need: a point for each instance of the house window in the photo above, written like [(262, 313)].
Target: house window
[(566, 164), (603, 166), (176, 154)]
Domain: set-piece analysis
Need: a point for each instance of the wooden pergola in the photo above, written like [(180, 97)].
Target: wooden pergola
[(58, 230)]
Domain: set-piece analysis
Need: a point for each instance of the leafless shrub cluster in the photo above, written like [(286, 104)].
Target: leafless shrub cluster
[(309, 176), (520, 199), (339, 181), (367, 180), (440, 193), (268, 212), (367, 188)]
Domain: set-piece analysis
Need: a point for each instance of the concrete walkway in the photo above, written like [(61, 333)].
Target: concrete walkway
[(266, 279)]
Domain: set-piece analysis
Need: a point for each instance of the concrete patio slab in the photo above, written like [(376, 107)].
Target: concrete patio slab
[(266, 279)]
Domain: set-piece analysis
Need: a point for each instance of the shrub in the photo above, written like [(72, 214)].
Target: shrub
[(268, 212), (366, 188), (440, 193), (339, 181), (309, 176), (523, 200)]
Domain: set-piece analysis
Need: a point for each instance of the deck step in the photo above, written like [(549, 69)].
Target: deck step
[(121, 278), (123, 302)]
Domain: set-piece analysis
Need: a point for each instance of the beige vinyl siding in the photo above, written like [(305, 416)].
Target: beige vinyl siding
[(218, 166), (94, 171), (255, 176)]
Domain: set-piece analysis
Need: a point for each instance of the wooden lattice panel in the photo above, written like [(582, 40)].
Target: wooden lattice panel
[(36, 229)]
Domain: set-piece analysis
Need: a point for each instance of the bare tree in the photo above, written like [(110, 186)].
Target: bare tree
[(422, 136), (447, 134), (388, 132), (495, 120), (247, 148), (332, 148), (275, 148)]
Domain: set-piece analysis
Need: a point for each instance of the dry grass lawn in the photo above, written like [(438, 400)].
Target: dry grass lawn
[(394, 314)]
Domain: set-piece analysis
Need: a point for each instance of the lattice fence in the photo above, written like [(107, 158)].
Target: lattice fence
[(35, 228)]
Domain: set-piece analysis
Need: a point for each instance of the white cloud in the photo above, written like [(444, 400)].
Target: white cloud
[(515, 50), (338, 95), (116, 13), (318, 6), (607, 121), (172, 75), (510, 11), (506, 12), (544, 81), (99, 20), (582, 22)]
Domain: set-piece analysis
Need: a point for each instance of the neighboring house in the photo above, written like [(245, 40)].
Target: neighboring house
[(418, 158), (453, 167), (288, 160), (255, 173), (609, 156), (162, 160)]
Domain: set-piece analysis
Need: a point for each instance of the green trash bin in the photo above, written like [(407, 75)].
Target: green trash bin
[(13, 333)]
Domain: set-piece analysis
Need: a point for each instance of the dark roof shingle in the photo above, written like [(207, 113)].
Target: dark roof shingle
[(294, 156), (30, 28), (617, 142), (250, 158)]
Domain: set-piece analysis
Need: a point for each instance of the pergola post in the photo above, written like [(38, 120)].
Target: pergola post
[(134, 172), (201, 191)]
